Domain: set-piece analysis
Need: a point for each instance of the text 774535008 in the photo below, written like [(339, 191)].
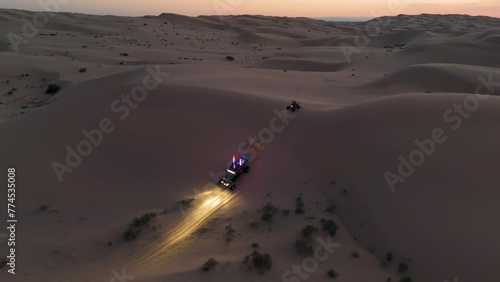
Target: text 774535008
[(11, 219)]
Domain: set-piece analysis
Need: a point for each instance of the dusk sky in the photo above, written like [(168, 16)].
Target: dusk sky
[(306, 8)]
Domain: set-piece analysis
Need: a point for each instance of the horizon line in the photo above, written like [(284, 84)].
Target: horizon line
[(261, 15)]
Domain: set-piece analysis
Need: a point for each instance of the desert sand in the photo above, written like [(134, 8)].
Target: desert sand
[(366, 98)]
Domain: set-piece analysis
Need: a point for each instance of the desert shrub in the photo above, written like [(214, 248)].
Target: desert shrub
[(329, 226), (255, 224), (355, 254), (131, 233), (230, 233), (304, 245), (12, 91), (209, 264), (43, 207), (331, 209), (402, 267), (255, 245), (332, 273), (52, 89), (230, 58), (187, 202), (83, 70), (388, 256), (299, 210), (299, 205), (124, 54), (299, 202), (268, 211), (405, 279), (285, 212), (3, 262), (137, 225), (308, 231), (261, 262), (143, 220)]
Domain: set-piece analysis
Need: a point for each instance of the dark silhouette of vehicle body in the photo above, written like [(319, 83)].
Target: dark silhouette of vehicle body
[(293, 106), (235, 170)]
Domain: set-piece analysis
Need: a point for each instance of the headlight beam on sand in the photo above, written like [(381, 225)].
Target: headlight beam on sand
[(198, 216)]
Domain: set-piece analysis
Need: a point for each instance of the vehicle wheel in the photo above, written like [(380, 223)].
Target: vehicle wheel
[(298, 107), (232, 187), (288, 107), (246, 169), (293, 110)]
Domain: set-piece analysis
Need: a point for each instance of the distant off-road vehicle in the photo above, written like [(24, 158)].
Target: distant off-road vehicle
[(293, 106), (237, 167)]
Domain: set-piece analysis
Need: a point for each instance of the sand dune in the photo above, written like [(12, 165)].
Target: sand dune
[(407, 38), (224, 80), (263, 38), (423, 215), (451, 78), (495, 39), (320, 59), (444, 23), (428, 53)]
